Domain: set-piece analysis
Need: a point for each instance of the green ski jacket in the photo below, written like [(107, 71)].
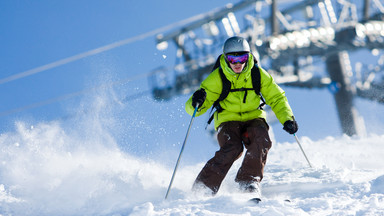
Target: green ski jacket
[(234, 107)]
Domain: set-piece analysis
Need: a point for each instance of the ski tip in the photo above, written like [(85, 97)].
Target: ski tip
[(255, 200)]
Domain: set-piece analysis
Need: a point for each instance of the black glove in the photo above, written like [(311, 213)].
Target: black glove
[(291, 126), (198, 97)]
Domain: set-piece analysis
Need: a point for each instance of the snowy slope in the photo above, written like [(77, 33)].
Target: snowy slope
[(342, 183), (48, 170), (114, 159)]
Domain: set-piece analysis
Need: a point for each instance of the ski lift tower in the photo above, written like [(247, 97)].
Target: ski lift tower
[(288, 37)]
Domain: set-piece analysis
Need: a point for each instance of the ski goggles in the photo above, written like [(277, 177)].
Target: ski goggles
[(233, 58)]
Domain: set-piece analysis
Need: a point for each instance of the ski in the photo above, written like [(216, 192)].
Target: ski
[(257, 190), (255, 200)]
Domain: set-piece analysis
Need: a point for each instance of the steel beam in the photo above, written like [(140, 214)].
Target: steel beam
[(339, 68)]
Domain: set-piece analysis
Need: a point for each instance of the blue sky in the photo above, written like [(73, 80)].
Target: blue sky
[(36, 33)]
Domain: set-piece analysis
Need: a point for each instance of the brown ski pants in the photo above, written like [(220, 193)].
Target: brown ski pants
[(232, 138)]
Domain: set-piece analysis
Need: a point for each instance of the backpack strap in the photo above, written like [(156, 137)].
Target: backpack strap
[(226, 86), (256, 83), (226, 83), (224, 93)]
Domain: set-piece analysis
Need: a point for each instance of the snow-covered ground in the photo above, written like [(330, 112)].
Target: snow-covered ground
[(348, 179), (115, 159), (46, 169)]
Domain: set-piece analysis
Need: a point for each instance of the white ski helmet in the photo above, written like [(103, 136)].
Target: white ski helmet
[(236, 44)]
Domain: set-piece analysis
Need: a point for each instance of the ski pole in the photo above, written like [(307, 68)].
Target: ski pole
[(302, 150), (182, 149)]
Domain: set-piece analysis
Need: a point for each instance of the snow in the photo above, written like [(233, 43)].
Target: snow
[(81, 168)]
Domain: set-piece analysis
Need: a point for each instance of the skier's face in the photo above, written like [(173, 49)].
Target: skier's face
[(237, 61), (237, 67)]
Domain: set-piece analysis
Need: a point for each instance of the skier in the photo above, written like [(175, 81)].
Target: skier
[(239, 120)]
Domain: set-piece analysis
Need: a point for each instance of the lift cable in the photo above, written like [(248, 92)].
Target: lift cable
[(97, 50)]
